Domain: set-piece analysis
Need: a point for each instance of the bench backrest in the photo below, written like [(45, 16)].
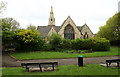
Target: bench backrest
[(114, 60), (42, 64)]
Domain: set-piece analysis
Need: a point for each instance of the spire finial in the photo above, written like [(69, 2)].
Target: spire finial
[(51, 8)]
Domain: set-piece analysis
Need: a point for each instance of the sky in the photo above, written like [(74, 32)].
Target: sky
[(94, 13)]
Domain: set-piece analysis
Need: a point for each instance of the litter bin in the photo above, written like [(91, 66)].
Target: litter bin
[(80, 61)]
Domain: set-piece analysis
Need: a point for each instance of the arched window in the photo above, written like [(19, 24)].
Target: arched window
[(85, 36), (69, 33)]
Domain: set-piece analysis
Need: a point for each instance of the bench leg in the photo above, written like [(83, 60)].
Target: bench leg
[(106, 64), (117, 64), (53, 66), (40, 67), (27, 68), (109, 63)]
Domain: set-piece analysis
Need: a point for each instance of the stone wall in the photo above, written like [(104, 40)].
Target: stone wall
[(85, 29), (69, 21)]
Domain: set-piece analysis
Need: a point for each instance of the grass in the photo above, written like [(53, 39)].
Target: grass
[(52, 54), (90, 69)]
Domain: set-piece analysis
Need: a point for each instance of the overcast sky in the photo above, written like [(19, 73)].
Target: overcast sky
[(94, 13)]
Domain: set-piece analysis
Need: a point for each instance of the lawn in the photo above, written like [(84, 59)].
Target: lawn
[(52, 54), (90, 69)]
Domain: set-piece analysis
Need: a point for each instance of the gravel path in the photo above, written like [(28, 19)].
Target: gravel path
[(8, 61)]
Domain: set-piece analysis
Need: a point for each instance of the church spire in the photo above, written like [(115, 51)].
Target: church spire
[(51, 21)]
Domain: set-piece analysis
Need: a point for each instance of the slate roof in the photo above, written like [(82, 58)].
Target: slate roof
[(57, 28), (45, 29), (79, 28)]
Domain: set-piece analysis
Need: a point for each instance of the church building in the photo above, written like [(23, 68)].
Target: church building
[(67, 30)]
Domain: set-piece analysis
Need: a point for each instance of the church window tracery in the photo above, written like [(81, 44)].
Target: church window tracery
[(69, 33)]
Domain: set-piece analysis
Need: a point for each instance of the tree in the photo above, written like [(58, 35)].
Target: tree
[(29, 40), (27, 35), (7, 36), (9, 24), (2, 6), (32, 27), (111, 30)]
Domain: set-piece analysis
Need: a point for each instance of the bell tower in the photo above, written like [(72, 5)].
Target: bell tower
[(51, 21)]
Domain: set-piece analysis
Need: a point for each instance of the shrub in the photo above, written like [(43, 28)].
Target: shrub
[(78, 44), (82, 44), (95, 44), (55, 42), (47, 47), (86, 44), (74, 46), (66, 44), (37, 44), (29, 40), (101, 44)]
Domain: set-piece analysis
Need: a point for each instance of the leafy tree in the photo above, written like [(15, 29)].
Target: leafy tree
[(29, 40), (32, 27), (9, 24), (8, 36), (111, 30), (27, 35)]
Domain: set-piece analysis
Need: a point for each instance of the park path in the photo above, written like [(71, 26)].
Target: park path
[(8, 61)]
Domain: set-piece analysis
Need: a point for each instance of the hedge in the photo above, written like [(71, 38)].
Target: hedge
[(66, 44), (101, 44), (95, 44)]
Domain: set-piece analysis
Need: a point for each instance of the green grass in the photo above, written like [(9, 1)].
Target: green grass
[(46, 55), (90, 69)]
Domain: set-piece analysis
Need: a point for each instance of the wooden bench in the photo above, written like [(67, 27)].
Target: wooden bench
[(40, 65), (108, 62)]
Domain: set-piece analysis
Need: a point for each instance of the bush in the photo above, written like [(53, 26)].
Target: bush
[(35, 45), (74, 46), (101, 44), (47, 47), (56, 42), (115, 43), (86, 44), (66, 44), (95, 44), (82, 44), (29, 40)]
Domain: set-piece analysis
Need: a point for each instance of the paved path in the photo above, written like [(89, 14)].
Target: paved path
[(74, 61), (8, 61)]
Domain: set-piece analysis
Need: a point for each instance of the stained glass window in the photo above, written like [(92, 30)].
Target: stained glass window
[(69, 33)]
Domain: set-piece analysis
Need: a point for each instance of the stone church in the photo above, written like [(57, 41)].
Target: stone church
[(67, 30)]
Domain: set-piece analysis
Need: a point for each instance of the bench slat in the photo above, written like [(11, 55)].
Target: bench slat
[(40, 65)]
